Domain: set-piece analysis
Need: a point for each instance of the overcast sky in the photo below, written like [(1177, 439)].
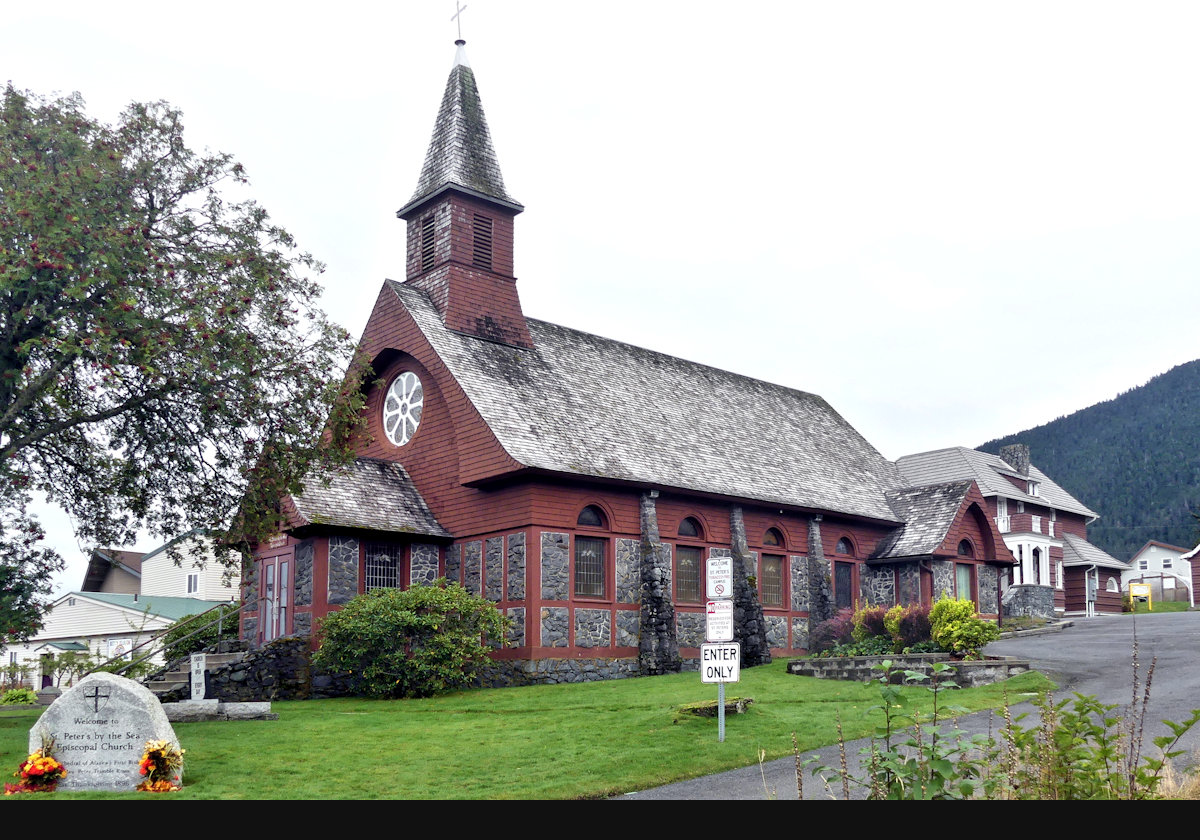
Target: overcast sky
[(952, 220)]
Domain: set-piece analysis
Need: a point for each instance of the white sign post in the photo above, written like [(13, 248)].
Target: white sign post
[(719, 663)]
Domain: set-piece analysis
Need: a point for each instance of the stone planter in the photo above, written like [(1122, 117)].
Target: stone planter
[(966, 673)]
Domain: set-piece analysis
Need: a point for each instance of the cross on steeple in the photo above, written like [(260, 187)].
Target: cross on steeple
[(457, 17)]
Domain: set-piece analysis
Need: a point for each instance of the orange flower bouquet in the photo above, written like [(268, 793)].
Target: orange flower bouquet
[(162, 765), (39, 773)]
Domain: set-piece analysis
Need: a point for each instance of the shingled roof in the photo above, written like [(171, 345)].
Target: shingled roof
[(591, 406), (1079, 552), (928, 513), (370, 494), (460, 152), (958, 463)]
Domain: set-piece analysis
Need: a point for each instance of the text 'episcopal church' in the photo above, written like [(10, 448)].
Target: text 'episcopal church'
[(574, 480)]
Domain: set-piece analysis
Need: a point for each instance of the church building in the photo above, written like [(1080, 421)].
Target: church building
[(580, 483)]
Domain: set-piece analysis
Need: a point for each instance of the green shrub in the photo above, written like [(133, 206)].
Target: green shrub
[(868, 623), (175, 649), (411, 643), (18, 697), (136, 671), (908, 627), (956, 628)]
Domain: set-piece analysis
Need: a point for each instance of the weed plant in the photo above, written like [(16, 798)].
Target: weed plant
[(1080, 749)]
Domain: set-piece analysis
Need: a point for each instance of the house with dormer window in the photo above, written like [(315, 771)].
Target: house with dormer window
[(1043, 526)]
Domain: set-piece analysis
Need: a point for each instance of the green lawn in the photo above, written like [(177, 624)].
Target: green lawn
[(565, 741), (1161, 606)]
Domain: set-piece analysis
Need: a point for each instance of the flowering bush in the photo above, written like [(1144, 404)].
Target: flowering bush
[(39, 773), (162, 765)]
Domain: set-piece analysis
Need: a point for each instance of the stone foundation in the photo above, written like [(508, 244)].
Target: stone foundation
[(550, 671), (1029, 599)]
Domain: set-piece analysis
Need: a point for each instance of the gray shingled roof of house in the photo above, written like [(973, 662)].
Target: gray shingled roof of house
[(959, 463), (591, 406), (460, 152), (1079, 552), (370, 494), (928, 512)]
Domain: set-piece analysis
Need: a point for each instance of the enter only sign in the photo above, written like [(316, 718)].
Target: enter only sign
[(720, 663)]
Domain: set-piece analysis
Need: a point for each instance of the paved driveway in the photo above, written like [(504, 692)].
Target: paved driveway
[(1094, 656)]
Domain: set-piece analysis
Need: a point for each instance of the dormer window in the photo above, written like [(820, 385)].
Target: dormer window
[(1032, 488)]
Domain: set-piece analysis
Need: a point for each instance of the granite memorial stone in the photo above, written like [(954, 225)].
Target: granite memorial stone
[(100, 728)]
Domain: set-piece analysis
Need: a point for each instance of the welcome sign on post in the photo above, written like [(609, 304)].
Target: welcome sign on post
[(721, 658)]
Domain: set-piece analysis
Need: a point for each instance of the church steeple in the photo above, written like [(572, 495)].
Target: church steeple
[(460, 221), (460, 152)]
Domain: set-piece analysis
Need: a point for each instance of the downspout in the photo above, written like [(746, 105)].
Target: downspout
[(1091, 604)]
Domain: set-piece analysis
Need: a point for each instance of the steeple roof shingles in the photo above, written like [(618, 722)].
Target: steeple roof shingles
[(460, 152)]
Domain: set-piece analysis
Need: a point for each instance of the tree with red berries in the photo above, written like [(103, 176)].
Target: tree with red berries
[(163, 362)]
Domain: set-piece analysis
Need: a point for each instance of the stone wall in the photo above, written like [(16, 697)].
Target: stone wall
[(472, 562), (303, 584), (279, 670), (493, 568), (943, 578), (516, 566), (516, 633), (555, 569), (1029, 599), (593, 628), (423, 568), (549, 671), (554, 625), (966, 673), (989, 590), (343, 569), (880, 584)]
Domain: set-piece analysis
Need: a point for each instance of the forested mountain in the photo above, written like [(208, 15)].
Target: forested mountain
[(1135, 460)]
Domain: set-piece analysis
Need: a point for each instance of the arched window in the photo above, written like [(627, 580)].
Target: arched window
[(844, 546), (591, 556), (591, 517), (965, 549), (1113, 586), (773, 537), (690, 527), (689, 564)]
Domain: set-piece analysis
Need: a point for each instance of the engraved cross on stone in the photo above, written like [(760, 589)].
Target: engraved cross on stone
[(96, 696), (456, 17)]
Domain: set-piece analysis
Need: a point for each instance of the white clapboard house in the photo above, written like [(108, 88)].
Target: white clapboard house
[(126, 598)]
